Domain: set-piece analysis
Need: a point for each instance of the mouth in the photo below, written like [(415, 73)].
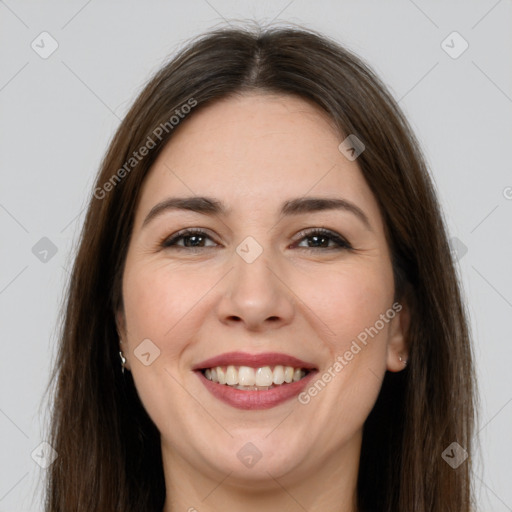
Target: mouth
[(258, 381), (246, 378)]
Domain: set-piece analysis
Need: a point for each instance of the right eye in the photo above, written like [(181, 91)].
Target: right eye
[(192, 238)]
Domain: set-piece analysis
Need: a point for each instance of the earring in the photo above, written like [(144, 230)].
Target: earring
[(123, 361), (402, 360)]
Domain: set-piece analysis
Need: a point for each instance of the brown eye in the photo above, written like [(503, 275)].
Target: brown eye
[(322, 237), (192, 239), (318, 238)]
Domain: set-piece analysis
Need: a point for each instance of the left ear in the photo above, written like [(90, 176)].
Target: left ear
[(398, 337)]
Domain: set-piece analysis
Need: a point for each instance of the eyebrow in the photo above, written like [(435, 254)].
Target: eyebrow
[(214, 207)]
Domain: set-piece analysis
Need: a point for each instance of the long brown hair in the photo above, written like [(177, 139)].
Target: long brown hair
[(109, 455)]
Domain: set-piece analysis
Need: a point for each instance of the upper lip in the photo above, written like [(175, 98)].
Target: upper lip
[(254, 360)]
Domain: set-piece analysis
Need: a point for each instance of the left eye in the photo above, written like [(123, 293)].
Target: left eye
[(322, 235), (193, 238)]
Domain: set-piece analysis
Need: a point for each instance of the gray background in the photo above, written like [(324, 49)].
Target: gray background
[(58, 115)]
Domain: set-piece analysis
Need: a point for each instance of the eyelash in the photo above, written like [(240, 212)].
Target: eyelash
[(342, 244)]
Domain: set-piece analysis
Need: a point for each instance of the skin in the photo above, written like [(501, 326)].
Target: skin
[(254, 152)]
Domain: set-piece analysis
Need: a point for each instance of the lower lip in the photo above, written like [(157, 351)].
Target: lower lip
[(256, 399)]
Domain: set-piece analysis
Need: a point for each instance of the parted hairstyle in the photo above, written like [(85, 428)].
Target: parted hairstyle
[(109, 455)]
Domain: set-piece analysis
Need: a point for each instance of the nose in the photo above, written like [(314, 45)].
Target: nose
[(256, 296)]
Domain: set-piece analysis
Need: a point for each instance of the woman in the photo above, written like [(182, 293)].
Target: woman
[(263, 310)]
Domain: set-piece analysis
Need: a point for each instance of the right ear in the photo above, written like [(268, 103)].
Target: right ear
[(120, 324), (121, 332)]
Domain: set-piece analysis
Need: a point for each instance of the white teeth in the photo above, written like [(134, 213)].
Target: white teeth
[(247, 378), (221, 376), (278, 374), (253, 388), (231, 375), (288, 374), (264, 376)]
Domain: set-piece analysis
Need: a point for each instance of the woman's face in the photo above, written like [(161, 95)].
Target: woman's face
[(259, 281)]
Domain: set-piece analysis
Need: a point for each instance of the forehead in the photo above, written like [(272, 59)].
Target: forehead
[(252, 152)]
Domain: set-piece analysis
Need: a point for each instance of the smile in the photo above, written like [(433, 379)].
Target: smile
[(256, 397), (254, 379)]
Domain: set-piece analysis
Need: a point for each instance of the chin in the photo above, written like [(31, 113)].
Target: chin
[(255, 459)]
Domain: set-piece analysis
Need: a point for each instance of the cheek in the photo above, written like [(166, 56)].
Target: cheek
[(347, 301), (350, 301), (158, 297)]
